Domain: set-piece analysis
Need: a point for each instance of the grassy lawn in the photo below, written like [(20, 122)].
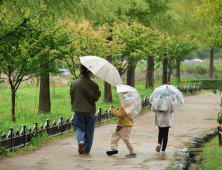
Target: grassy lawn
[(211, 156)]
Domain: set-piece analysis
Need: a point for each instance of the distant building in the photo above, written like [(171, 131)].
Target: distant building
[(64, 72)]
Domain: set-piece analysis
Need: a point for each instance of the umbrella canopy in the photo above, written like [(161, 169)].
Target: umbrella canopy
[(129, 99), (166, 97), (102, 68)]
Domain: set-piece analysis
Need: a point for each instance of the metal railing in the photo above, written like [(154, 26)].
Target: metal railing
[(189, 88), (24, 137)]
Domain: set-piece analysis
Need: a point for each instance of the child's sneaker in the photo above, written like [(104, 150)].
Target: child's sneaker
[(81, 148), (158, 148), (112, 152), (131, 155), (163, 152)]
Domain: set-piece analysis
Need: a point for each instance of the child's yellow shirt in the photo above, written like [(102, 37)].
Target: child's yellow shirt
[(124, 119)]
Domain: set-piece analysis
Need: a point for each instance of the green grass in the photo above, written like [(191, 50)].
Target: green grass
[(211, 156)]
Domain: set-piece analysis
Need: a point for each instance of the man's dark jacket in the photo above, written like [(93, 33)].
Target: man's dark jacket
[(84, 93)]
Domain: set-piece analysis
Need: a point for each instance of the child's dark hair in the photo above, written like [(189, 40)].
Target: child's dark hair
[(83, 70)]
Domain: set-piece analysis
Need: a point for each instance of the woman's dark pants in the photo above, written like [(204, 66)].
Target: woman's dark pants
[(163, 136)]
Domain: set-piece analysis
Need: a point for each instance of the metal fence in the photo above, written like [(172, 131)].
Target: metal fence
[(189, 88), (24, 137)]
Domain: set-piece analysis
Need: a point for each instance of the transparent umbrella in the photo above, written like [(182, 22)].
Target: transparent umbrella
[(129, 99), (166, 97)]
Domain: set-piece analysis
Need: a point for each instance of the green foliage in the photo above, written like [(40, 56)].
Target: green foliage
[(211, 156), (40, 139), (3, 151), (87, 41), (173, 168), (219, 118), (206, 83), (140, 41), (211, 9), (176, 50)]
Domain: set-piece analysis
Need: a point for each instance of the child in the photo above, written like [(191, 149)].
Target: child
[(125, 124), (163, 119)]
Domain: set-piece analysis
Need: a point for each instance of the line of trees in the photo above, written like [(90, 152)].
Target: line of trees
[(33, 34)]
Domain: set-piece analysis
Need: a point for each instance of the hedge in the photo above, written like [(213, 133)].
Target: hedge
[(205, 83)]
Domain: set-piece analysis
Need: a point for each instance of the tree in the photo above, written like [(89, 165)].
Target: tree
[(21, 52), (51, 46), (212, 10), (87, 41), (140, 42), (179, 47)]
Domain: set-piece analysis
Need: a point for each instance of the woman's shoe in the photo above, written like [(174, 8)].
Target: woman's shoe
[(163, 152)]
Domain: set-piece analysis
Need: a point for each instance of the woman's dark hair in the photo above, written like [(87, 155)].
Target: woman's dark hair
[(83, 70)]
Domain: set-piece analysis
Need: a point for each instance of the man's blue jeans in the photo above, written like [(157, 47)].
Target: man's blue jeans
[(84, 124)]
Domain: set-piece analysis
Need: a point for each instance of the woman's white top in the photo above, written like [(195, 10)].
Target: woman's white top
[(162, 118)]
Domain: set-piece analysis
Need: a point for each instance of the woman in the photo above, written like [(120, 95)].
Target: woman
[(163, 119), (84, 93)]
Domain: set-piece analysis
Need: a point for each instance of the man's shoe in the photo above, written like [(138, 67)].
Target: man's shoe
[(131, 155), (158, 148), (81, 148), (112, 152)]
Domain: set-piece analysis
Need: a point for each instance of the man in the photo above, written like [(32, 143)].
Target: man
[(84, 93)]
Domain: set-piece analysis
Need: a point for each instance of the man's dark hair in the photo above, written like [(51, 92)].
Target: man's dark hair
[(83, 70)]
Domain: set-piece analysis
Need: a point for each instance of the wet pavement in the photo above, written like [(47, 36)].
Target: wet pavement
[(198, 115)]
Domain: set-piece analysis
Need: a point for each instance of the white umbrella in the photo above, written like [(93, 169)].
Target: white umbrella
[(102, 68)]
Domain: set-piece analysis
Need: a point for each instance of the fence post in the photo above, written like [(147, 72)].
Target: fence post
[(23, 131), (219, 135), (47, 125), (3, 136), (36, 128), (10, 135), (109, 112), (100, 114), (61, 121)]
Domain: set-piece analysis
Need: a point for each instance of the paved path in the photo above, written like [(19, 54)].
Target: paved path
[(198, 115)]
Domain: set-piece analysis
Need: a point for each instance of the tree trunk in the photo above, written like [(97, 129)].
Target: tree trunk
[(168, 76), (131, 75), (44, 96), (164, 76), (107, 93), (211, 69), (178, 71), (149, 75), (107, 89), (13, 103)]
